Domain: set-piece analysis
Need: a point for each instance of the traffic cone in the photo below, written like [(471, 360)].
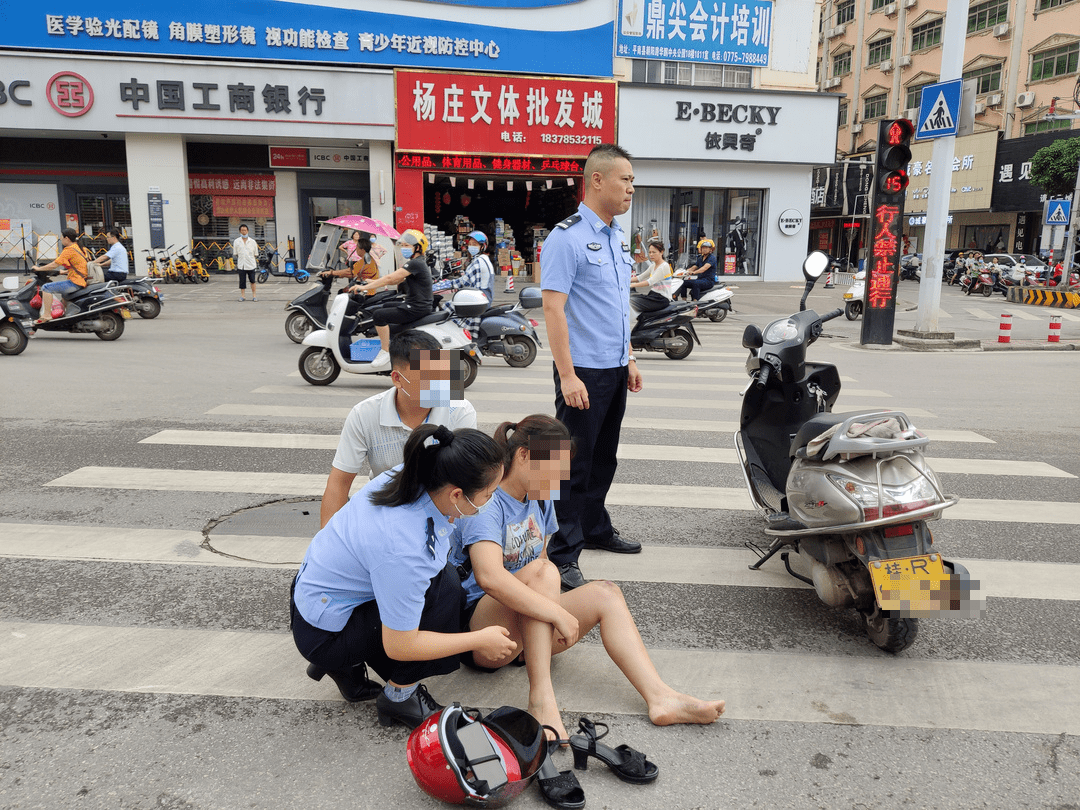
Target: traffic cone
[(1005, 328), (1055, 329), (509, 282), (829, 282)]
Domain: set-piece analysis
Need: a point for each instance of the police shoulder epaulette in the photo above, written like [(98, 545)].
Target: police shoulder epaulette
[(570, 220)]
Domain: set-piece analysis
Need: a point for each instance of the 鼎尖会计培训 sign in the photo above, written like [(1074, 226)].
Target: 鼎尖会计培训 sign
[(719, 32)]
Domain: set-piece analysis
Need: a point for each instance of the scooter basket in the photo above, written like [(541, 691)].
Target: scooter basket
[(364, 350)]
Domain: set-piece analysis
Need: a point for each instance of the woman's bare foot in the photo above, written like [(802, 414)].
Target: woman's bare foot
[(547, 712), (678, 708)]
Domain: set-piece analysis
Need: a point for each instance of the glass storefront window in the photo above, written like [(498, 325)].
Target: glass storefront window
[(682, 216)]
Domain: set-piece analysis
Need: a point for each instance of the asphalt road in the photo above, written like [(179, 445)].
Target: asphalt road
[(145, 660)]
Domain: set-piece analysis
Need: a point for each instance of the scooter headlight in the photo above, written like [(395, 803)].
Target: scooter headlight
[(779, 331), (898, 499)]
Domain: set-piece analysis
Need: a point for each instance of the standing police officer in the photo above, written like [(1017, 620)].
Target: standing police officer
[(585, 271)]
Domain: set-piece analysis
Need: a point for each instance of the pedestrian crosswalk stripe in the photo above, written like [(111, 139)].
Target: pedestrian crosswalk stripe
[(818, 688), (661, 495), (694, 565)]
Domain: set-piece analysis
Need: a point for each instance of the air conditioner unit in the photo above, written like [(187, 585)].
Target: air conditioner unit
[(1025, 99), (885, 66), (834, 82), (890, 9), (838, 31), (980, 108), (912, 114), (904, 61), (909, 3), (856, 128), (1001, 29), (994, 100)]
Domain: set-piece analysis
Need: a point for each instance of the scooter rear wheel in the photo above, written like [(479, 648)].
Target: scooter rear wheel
[(471, 370), (530, 351), (150, 308), (853, 310), (684, 352), (298, 326), (891, 635), (716, 315), (319, 366), (112, 328)]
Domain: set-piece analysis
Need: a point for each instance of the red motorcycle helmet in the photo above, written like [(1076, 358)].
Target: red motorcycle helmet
[(459, 757)]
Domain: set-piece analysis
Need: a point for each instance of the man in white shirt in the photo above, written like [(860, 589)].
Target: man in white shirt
[(115, 261), (246, 256), (377, 428)]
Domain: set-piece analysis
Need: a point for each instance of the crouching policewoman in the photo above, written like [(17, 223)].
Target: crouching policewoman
[(375, 588)]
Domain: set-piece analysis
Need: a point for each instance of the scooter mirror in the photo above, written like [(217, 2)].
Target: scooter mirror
[(751, 338), (11, 282), (815, 264)]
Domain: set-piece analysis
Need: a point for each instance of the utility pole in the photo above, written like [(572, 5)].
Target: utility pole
[(937, 204)]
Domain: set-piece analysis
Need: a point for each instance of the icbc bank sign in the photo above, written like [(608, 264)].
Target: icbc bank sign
[(486, 114)]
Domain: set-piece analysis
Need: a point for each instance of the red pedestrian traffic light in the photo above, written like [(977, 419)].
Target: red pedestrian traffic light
[(893, 155)]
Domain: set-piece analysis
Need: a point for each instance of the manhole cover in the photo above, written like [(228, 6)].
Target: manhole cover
[(276, 533)]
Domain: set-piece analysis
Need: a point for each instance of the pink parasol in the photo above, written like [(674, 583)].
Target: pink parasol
[(365, 224)]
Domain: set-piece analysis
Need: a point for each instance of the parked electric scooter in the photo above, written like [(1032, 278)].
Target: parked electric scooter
[(503, 331), (669, 330), (850, 493), (96, 308), (714, 303), (15, 321), (307, 311), (853, 298), (333, 349)]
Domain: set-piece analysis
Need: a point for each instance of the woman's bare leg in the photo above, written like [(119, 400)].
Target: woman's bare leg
[(601, 602)]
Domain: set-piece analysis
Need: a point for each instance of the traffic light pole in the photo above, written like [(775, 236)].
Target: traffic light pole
[(937, 204)]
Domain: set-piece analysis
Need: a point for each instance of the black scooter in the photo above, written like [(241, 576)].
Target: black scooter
[(669, 330), (15, 321), (147, 299), (97, 308), (307, 312)]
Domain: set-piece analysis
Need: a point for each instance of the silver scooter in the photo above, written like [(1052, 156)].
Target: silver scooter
[(850, 493)]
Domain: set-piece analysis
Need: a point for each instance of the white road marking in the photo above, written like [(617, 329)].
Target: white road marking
[(689, 497), (815, 688)]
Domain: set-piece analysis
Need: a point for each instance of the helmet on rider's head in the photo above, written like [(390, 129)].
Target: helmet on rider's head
[(480, 237), (459, 757), (706, 243), (416, 239)]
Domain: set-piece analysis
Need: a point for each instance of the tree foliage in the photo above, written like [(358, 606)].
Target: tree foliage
[(1054, 167)]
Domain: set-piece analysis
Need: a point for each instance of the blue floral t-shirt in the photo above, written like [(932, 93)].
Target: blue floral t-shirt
[(522, 529)]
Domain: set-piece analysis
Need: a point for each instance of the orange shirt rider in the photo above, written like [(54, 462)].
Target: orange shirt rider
[(73, 260)]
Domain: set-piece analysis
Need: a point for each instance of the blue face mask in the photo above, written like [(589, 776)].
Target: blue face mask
[(406, 252), (435, 394), (474, 250)]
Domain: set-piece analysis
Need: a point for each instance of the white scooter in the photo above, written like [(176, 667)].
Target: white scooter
[(332, 349), (853, 298), (714, 304)]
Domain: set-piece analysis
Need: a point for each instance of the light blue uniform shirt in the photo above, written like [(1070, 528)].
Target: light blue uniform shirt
[(118, 257), (371, 552), (522, 529), (590, 262)]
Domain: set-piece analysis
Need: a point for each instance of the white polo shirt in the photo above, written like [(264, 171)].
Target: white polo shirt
[(374, 432)]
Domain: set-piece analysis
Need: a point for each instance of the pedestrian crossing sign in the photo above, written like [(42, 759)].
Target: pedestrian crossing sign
[(939, 110), (1057, 212)]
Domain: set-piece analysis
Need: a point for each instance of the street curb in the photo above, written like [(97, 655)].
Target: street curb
[(1034, 346)]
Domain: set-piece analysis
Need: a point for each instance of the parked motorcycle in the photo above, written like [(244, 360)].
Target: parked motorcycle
[(853, 298), (96, 308), (504, 331), (714, 304), (15, 321), (333, 349), (307, 311), (669, 330), (850, 493)]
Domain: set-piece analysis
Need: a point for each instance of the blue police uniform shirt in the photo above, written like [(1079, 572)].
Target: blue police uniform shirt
[(370, 552), (522, 529), (590, 262)]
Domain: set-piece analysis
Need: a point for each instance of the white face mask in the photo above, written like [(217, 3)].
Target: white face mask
[(474, 250), (406, 252), (479, 509), (436, 394)]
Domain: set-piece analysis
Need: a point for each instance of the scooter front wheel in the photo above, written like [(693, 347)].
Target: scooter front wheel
[(298, 326), (987, 291), (319, 366), (520, 361), (891, 635), (682, 352), (262, 277), (472, 368), (15, 339)]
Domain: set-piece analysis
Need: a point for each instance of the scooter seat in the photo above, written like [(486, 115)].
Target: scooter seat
[(434, 317), (493, 311), (814, 427), (89, 288)]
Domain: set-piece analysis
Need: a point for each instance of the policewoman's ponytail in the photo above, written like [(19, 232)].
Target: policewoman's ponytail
[(436, 456)]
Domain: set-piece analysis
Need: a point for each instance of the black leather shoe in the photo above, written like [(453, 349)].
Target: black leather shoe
[(353, 689), (571, 576), (615, 543), (411, 712)]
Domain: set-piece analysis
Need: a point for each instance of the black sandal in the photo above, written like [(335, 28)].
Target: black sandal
[(628, 764), (560, 789)]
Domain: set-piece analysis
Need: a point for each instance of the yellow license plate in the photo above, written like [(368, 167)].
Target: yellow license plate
[(911, 583), (125, 313)]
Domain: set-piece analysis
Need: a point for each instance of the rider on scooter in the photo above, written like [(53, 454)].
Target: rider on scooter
[(478, 275), (704, 269), (415, 277), (73, 260)]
